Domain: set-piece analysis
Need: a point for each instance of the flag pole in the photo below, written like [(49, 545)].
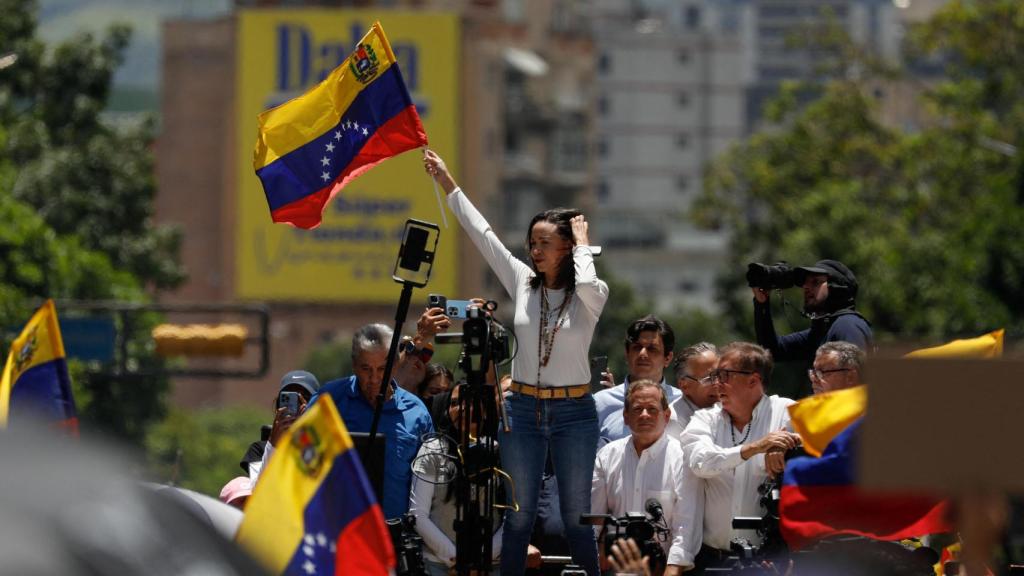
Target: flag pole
[(437, 193)]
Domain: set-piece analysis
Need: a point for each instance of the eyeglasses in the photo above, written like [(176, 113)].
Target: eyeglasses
[(815, 374), (424, 354), (723, 374), (705, 381)]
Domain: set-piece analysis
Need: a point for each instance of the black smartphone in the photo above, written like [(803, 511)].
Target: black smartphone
[(290, 402), (437, 301), (598, 366)]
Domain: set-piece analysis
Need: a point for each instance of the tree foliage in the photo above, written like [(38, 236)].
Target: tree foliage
[(83, 175), (927, 219), (201, 450), (76, 197)]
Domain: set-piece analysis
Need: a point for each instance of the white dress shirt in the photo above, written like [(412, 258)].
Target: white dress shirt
[(624, 480), (730, 482), (569, 364)]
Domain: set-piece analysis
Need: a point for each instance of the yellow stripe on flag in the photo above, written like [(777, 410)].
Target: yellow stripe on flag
[(988, 346), (304, 118), (818, 419), (273, 525), (38, 343)]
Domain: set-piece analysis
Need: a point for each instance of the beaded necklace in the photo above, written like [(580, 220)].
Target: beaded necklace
[(546, 340), (732, 430)]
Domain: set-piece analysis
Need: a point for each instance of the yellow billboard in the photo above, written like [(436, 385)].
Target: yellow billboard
[(349, 258)]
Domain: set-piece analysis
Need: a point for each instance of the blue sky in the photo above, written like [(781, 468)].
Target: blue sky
[(62, 19)]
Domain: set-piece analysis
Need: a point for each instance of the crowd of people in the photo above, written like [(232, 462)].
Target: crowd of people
[(686, 438)]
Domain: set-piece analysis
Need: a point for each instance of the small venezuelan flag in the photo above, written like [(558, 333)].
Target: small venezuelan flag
[(310, 147), (35, 380), (313, 510), (820, 497)]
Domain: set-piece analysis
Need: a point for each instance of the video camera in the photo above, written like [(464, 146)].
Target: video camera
[(776, 276), (407, 544), (648, 530), (482, 336)]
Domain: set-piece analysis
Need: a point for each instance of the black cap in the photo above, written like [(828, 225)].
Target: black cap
[(300, 379), (836, 271)]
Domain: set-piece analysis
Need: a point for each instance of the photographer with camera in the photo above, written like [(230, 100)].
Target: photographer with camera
[(558, 299), (830, 291), (642, 472), (297, 389), (728, 448)]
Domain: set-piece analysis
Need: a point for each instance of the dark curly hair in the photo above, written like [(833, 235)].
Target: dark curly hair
[(561, 218)]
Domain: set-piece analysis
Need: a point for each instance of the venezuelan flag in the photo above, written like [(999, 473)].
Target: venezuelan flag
[(313, 510), (35, 379), (310, 147), (819, 497)]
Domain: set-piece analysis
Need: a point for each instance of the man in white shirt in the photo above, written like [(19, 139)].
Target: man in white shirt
[(693, 378), (732, 448), (649, 344), (646, 465)]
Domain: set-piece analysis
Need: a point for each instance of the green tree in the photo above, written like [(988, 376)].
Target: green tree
[(76, 195), (201, 449), (84, 176), (929, 220)]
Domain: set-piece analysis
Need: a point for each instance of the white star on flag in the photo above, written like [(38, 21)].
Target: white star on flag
[(348, 123), (356, 124), (325, 176), (308, 550), (337, 134), (308, 539), (321, 539), (330, 146), (325, 161), (365, 133), (309, 567)]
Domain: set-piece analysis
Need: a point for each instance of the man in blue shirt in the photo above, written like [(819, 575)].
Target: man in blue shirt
[(403, 421), (649, 344)]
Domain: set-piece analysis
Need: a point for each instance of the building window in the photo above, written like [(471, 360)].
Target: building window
[(603, 191), (683, 56), (604, 63), (692, 17), (602, 147), (688, 286), (604, 106), (682, 183), (683, 99), (682, 141)]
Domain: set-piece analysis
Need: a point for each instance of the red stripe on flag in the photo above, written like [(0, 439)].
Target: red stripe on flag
[(364, 546), (401, 133), (812, 512)]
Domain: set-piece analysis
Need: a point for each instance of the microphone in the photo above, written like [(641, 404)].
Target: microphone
[(653, 507)]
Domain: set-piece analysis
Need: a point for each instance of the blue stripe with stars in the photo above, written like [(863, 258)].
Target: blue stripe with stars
[(316, 164), (344, 495)]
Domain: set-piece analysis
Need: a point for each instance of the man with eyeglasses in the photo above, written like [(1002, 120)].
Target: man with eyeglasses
[(837, 365), (693, 378), (830, 290), (649, 343), (644, 466), (731, 449)]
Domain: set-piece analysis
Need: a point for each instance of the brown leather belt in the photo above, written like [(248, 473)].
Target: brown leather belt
[(551, 392)]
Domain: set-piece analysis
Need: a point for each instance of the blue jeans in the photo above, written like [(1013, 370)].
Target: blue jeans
[(568, 429)]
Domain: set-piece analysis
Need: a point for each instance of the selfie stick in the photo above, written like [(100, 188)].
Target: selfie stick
[(413, 256)]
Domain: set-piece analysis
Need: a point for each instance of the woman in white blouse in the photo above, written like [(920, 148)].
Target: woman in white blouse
[(558, 299)]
